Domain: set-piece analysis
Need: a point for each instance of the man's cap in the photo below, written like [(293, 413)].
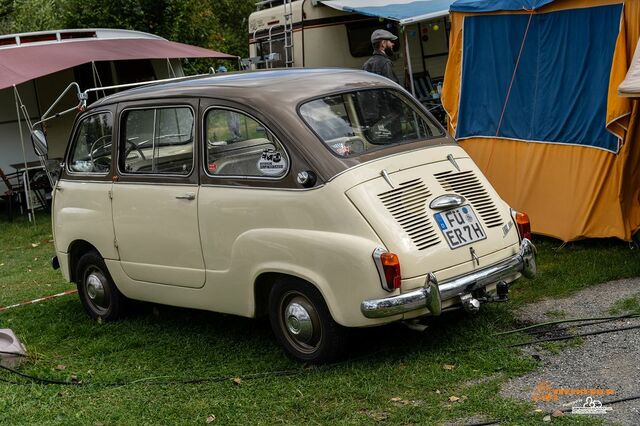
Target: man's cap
[(379, 35)]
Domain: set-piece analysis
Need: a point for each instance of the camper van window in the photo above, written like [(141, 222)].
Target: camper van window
[(353, 123), (265, 48), (359, 36), (91, 149)]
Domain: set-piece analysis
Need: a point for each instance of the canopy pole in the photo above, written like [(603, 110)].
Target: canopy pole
[(32, 214), (96, 76), (93, 73), (170, 69), (408, 56)]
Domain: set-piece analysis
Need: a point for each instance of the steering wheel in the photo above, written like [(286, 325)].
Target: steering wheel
[(130, 146), (103, 162)]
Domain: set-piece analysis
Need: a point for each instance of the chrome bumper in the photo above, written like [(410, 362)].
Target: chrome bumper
[(433, 293)]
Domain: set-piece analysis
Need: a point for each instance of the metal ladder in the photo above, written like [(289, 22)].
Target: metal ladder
[(288, 33)]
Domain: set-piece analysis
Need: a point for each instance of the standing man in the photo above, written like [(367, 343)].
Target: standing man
[(380, 63)]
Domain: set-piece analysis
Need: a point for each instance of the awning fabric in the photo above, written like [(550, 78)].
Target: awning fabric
[(23, 63), (497, 5), (403, 11), (584, 186), (631, 85)]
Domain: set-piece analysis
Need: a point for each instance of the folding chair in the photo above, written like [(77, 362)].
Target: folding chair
[(423, 86), (13, 193)]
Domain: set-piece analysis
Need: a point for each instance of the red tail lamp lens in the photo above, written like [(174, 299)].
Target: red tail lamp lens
[(524, 225), (391, 267)]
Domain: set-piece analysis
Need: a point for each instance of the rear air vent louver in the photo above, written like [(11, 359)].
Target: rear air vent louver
[(469, 186), (408, 205)]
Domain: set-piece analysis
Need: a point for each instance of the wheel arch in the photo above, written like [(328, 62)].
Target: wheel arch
[(262, 287), (76, 249)]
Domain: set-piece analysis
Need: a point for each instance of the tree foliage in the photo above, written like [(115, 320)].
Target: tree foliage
[(215, 24)]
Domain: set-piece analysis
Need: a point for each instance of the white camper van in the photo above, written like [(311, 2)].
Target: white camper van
[(336, 33)]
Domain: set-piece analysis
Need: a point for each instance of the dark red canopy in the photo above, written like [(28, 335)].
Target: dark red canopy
[(25, 62)]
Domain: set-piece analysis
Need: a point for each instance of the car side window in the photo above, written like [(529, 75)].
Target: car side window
[(157, 141), (91, 152), (238, 145)]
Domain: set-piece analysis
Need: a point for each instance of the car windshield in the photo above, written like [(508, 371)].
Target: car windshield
[(354, 123)]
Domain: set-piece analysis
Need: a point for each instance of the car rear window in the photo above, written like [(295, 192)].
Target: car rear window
[(354, 123)]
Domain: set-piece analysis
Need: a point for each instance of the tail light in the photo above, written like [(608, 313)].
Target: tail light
[(388, 266), (523, 224)]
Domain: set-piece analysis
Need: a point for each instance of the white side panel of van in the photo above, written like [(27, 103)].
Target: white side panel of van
[(156, 229), (82, 211)]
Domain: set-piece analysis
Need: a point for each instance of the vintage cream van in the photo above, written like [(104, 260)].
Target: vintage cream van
[(324, 198)]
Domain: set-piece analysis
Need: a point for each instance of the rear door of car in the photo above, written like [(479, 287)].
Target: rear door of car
[(155, 193)]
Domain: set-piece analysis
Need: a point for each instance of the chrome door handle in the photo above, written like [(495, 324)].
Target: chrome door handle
[(186, 196)]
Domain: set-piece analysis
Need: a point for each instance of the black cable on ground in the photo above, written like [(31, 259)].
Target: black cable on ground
[(586, 324), (564, 410), (487, 423), (36, 379), (255, 376), (542, 324), (9, 381), (12, 353), (614, 401), (592, 333)]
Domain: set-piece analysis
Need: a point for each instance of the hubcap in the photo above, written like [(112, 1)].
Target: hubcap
[(94, 284), (300, 322)]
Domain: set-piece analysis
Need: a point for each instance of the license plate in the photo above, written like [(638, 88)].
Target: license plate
[(460, 226)]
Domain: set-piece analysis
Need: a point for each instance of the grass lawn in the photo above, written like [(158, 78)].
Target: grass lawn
[(449, 373)]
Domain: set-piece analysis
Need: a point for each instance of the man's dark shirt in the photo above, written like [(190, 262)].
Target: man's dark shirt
[(380, 64)]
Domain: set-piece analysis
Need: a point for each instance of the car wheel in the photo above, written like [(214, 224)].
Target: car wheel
[(99, 295), (302, 323)]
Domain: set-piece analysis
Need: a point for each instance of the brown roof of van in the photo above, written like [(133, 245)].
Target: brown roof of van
[(288, 85), (275, 94)]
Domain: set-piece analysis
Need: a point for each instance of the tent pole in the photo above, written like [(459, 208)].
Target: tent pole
[(170, 71), (93, 72), (32, 215), (96, 79), (408, 56)]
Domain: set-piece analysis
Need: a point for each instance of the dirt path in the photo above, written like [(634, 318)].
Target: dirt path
[(609, 361)]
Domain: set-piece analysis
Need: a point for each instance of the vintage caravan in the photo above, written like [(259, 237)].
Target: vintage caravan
[(336, 33)]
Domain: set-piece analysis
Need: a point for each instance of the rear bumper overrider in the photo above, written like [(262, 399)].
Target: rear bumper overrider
[(433, 293)]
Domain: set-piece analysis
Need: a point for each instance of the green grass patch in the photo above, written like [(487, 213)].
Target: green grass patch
[(392, 376), (556, 314), (559, 346), (630, 305), (564, 269)]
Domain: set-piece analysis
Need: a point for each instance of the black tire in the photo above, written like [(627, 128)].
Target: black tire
[(294, 306), (99, 295)]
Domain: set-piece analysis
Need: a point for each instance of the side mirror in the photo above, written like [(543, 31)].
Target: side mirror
[(39, 141)]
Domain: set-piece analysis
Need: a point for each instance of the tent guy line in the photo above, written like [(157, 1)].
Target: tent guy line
[(38, 300)]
